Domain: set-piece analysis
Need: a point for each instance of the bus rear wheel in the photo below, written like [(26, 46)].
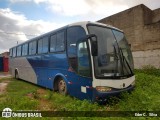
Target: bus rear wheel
[(62, 88)]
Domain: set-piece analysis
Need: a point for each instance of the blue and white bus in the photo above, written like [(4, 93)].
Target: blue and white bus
[(87, 60)]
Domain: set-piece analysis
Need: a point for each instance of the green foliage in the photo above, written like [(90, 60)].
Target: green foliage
[(35, 95), (22, 95), (49, 94), (16, 96), (145, 97), (149, 70)]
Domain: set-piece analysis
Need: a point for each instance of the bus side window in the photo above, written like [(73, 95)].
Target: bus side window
[(10, 52), (53, 43), (73, 35), (32, 48), (24, 49), (45, 45), (14, 52), (40, 46), (60, 42), (19, 51)]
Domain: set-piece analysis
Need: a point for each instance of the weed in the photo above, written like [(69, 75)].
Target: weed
[(49, 94), (150, 70), (35, 95), (145, 97)]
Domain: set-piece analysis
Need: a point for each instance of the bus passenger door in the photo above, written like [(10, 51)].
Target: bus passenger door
[(78, 62), (84, 72)]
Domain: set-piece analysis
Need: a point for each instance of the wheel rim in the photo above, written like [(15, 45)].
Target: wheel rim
[(62, 86)]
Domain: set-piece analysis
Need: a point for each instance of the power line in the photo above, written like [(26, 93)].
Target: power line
[(19, 33)]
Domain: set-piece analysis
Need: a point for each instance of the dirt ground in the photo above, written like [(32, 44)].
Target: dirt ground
[(4, 74), (3, 86)]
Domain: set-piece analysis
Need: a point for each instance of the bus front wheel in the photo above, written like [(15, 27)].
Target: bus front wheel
[(62, 88)]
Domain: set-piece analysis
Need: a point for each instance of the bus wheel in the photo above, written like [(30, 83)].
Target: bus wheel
[(16, 74), (62, 88)]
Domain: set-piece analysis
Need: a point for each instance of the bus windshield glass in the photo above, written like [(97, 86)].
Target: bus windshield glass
[(114, 59)]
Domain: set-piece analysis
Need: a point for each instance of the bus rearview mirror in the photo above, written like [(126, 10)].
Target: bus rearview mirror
[(94, 44), (94, 47)]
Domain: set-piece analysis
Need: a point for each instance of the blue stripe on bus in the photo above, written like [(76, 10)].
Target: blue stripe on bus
[(48, 66)]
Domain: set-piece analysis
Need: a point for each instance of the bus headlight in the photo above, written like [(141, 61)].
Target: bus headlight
[(133, 83), (103, 88)]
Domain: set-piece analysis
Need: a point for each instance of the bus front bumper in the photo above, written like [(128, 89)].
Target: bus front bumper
[(104, 96)]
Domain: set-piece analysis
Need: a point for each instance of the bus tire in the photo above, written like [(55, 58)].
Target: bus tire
[(62, 87), (16, 74)]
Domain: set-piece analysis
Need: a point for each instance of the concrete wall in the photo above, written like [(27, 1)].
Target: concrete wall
[(156, 15), (142, 28), (148, 57)]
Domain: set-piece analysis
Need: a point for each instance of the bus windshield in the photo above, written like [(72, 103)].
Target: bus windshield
[(114, 57)]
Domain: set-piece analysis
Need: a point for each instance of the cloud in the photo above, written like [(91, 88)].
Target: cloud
[(93, 7), (14, 1), (90, 7), (82, 7), (152, 4), (90, 10), (69, 8), (16, 27), (72, 10)]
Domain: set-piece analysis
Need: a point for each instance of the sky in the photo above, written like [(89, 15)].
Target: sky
[(21, 20)]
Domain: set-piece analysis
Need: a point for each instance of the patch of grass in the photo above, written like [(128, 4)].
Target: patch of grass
[(16, 98), (149, 70), (67, 103), (5, 79), (146, 95), (49, 95), (22, 95)]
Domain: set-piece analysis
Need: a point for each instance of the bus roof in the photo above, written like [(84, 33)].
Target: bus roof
[(83, 23)]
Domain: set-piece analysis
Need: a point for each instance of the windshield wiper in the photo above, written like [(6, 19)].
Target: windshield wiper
[(124, 58), (116, 67)]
